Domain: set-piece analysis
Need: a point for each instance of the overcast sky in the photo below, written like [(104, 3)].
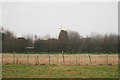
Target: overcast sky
[(43, 18)]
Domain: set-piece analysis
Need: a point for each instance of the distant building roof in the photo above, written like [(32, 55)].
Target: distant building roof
[(63, 36), (30, 47)]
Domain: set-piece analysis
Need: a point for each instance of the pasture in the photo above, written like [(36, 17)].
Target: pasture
[(61, 71), (60, 66)]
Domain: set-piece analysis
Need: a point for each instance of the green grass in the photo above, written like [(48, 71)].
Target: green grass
[(51, 71)]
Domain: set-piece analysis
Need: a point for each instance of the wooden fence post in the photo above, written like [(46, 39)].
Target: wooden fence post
[(37, 60), (63, 59), (49, 59), (90, 60), (76, 59), (57, 59), (107, 59), (27, 59), (14, 58)]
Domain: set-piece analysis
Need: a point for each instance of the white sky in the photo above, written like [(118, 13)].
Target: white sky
[(42, 18)]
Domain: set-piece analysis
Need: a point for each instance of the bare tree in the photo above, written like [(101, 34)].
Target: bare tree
[(74, 41)]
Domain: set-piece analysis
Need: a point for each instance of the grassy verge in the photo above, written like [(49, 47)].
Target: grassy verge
[(51, 71)]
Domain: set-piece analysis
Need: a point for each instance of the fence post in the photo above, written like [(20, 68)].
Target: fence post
[(14, 58), (63, 59), (37, 59), (57, 59), (90, 60), (76, 59), (27, 59), (107, 59), (49, 59)]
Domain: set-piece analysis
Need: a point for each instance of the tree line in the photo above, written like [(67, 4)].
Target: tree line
[(68, 41)]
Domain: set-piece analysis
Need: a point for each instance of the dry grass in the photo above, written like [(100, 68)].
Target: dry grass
[(7, 58), (20, 58), (43, 59), (57, 59), (113, 59), (99, 59)]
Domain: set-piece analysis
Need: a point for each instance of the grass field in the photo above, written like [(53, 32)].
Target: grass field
[(54, 71)]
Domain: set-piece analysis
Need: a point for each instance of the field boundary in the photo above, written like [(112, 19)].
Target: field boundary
[(60, 59)]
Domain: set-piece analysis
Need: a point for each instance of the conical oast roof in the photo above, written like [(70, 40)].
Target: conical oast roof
[(63, 36)]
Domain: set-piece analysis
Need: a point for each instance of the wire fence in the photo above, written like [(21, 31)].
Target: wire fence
[(59, 59)]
